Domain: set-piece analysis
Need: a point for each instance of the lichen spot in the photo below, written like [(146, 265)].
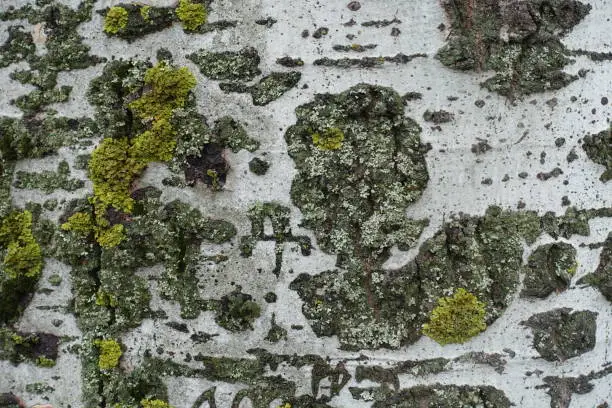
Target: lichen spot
[(329, 139), (116, 19), (192, 15), (456, 319)]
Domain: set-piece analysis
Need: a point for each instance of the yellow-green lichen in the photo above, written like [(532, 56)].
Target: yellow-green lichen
[(169, 88), (116, 19), (117, 162), (45, 362), (156, 403), (192, 15), (110, 352), (329, 139), (144, 12), (80, 222), (23, 256), (456, 319)]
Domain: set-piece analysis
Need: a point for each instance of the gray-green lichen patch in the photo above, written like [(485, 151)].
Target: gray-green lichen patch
[(353, 47), (110, 298), (268, 89), (437, 395), (520, 41), (17, 347), (560, 334), (367, 62), (360, 163), (64, 46), (602, 277), (353, 189), (19, 46), (289, 62), (276, 332), (228, 65), (281, 232), (258, 166), (48, 181), (237, 311), (34, 137), (561, 389), (438, 117), (599, 149), (549, 269)]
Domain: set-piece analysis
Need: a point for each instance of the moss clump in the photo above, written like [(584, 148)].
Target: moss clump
[(192, 15), (144, 12), (456, 319), (329, 139), (116, 19), (110, 353)]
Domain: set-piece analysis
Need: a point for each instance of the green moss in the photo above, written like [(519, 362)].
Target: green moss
[(116, 19), (456, 319), (112, 171), (329, 139), (192, 15), (110, 353)]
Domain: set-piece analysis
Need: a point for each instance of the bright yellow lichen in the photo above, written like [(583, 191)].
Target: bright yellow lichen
[(23, 256), (156, 403), (110, 353), (329, 139), (456, 319), (116, 19), (192, 15)]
